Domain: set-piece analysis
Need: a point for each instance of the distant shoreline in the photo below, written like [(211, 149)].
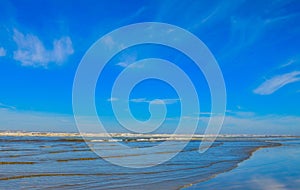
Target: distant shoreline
[(64, 134)]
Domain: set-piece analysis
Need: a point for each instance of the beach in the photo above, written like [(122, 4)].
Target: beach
[(64, 161)]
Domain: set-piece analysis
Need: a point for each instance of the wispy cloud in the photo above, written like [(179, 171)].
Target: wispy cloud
[(156, 101), (128, 60), (122, 64), (112, 99), (272, 85), (127, 64), (139, 100), (165, 101), (135, 15), (32, 52), (2, 52), (246, 31), (288, 63), (281, 18), (109, 42), (4, 106), (240, 113)]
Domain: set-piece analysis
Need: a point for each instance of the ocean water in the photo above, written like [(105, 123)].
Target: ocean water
[(68, 163)]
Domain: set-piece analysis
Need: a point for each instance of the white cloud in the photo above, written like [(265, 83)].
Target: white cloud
[(240, 113), (156, 101), (122, 64), (62, 48), (2, 52), (211, 14), (139, 100), (112, 99), (128, 61), (277, 82), (290, 62), (32, 52), (128, 64), (112, 44), (109, 42), (167, 101), (160, 102), (281, 18)]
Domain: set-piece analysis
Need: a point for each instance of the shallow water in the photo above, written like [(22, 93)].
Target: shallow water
[(268, 168), (68, 163)]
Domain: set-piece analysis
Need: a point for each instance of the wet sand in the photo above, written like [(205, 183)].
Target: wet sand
[(276, 168)]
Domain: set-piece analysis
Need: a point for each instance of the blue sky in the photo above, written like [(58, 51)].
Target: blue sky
[(256, 44)]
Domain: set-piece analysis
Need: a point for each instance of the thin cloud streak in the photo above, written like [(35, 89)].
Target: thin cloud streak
[(128, 61), (156, 101), (272, 85), (290, 62), (112, 99)]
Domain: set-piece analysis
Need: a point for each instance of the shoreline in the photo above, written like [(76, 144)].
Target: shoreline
[(251, 154), (132, 137), (73, 134), (265, 169)]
